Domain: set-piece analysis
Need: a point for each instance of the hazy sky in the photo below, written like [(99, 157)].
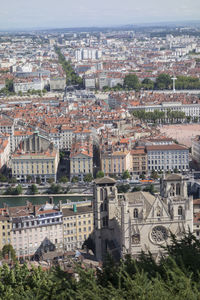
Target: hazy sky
[(75, 13)]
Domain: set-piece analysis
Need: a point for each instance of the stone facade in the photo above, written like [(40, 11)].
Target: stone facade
[(129, 223)]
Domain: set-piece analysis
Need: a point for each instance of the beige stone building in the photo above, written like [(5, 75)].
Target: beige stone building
[(139, 160), (4, 150), (77, 224), (36, 229), (129, 223), (5, 228), (116, 162), (196, 149), (36, 157), (81, 159)]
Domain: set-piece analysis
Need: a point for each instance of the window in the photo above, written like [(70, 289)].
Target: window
[(178, 189), (180, 211), (135, 213)]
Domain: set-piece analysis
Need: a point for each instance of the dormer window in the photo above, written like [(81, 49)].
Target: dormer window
[(135, 213)]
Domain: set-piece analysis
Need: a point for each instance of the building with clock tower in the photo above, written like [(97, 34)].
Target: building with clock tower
[(131, 222)]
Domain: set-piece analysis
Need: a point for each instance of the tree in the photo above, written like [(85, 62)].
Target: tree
[(150, 188), (8, 252), (154, 174), (147, 84), (142, 176), (62, 155), (64, 179), (163, 81), (29, 178), (3, 178), (55, 189), (38, 180), (100, 174), (9, 85), (75, 179), (14, 191), (175, 276), (126, 175), (131, 81), (88, 177), (136, 188), (123, 188), (18, 190), (33, 189), (12, 180), (50, 180)]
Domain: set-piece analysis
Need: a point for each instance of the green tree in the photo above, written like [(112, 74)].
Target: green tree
[(123, 188), (62, 155), (136, 188), (50, 180), (163, 81), (64, 179), (131, 81), (75, 179), (150, 188), (154, 174), (8, 252), (18, 190), (100, 174), (55, 189), (88, 177), (3, 178), (29, 178), (33, 189), (147, 84), (12, 180), (38, 180), (9, 85), (126, 175)]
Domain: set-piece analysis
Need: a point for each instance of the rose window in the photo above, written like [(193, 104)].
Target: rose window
[(159, 234)]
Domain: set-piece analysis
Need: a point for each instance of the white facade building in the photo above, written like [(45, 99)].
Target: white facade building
[(168, 157)]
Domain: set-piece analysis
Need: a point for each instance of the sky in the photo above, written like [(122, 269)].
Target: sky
[(25, 14)]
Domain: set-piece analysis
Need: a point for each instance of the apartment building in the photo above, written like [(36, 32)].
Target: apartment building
[(168, 157), (7, 126), (77, 224), (57, 84), (5, 228), (36, 157), (66, 137), (196, 148), (36, 229), (25, 86), (139, 161), (81, 159), (116, 162), (4, 150)]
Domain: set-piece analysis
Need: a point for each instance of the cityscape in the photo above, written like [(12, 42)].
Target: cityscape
[(100, 153)]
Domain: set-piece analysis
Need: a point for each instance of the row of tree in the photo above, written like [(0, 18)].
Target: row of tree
[(156, 116), (162, 82), (175, 276), (71, 76)]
